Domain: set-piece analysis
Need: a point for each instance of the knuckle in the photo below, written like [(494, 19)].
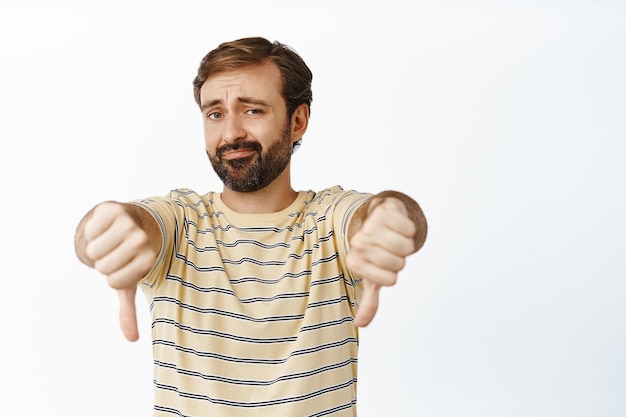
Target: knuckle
[(103, 267), (389, 278), (400, 264), (396, 205), (139, 242), (126, 224), (353, 262), (114, 281), (88, 232), (144, 264), (357, 239), (91, 251)]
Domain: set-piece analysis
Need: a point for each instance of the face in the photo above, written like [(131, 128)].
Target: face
[(247, 135)]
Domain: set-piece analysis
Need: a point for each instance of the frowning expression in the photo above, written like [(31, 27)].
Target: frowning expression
[(246, 130)]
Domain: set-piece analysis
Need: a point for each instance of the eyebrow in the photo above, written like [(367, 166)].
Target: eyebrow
[(245, 100)]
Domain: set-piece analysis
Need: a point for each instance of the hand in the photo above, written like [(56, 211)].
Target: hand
[(378, 251), (120, 249), (117, 245)]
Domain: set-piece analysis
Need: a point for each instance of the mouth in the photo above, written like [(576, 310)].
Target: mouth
[(237, 154), (239, 150)]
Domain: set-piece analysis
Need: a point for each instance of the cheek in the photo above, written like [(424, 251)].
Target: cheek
[(211, 139), (267, 135)]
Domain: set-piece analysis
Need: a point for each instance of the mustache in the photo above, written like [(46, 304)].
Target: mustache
[(248, 145)]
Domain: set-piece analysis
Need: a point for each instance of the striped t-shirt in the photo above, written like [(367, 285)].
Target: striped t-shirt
[(252, 314)]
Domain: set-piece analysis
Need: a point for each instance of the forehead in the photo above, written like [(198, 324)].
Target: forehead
[(263, 81)]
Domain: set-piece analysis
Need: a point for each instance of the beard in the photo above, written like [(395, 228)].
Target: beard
[(257, 171)]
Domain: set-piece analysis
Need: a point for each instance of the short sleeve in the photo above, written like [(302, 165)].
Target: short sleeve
[(169, 213)]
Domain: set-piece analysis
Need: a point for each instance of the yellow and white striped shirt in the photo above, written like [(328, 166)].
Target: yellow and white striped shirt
[(252, 314)]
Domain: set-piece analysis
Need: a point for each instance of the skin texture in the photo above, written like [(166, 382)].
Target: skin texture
[(387, 229), (246, 106), (121, 241), (249, 138)]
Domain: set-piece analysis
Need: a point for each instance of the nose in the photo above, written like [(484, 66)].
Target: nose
[(233, 129)]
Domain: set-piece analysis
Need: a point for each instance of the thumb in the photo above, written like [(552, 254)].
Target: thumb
[(128, 313), (369, 304)]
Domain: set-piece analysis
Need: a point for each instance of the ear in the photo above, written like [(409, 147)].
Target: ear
[(299, 122)]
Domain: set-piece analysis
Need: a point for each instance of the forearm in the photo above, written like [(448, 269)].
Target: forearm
[(146, 221)]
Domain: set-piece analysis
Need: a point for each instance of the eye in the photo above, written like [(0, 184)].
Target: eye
[(253, 112), (214, 115)]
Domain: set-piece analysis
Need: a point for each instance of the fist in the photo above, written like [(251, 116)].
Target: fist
[(117, 245), (378, 251), (379, 248)]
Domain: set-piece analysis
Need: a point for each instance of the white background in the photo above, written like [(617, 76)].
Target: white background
[(505, 120)]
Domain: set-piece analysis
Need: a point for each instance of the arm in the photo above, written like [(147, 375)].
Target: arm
[(121, 241), (385, 230)]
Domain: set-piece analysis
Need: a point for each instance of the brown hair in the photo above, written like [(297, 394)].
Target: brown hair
[(296, 75)]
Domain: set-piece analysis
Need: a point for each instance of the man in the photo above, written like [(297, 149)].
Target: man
[(256, 293)]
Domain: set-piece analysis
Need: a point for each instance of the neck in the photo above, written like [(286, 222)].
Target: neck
[(277, 196)]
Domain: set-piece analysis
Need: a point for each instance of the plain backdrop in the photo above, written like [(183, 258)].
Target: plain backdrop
[(505, 120)]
